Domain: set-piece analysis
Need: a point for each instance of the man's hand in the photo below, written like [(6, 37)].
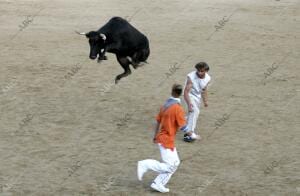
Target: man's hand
[(204, 97), (191, 107)]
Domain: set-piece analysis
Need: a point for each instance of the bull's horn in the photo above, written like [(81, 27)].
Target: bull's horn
[(103, 36), (80, 33)]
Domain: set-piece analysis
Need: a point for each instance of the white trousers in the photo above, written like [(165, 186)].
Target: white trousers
[(192, 117), (166, 168)]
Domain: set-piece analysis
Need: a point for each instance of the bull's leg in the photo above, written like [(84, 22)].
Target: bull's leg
[(140, 56), (102, 56), (145, 55), (108, 48), (124, 62), (134, 60)]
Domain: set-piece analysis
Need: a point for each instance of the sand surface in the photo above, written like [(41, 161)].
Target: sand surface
[(66, 129)]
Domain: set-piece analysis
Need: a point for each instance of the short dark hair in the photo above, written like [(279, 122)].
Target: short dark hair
[(177, 90), (202, 65)]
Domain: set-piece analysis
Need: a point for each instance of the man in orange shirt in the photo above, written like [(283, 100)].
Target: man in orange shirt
[(170, 118)]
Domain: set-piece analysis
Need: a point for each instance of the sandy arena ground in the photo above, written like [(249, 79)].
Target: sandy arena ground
[(66, 129)]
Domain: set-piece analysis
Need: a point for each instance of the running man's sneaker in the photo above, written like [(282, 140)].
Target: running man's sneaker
[(195, 136), (188, 138), (141, 170), (159, 188), (191, 138)]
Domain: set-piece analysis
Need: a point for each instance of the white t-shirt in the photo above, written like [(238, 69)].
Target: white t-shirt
[(198, 84)]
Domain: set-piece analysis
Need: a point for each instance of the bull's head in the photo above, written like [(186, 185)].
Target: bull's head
[(97, 44)]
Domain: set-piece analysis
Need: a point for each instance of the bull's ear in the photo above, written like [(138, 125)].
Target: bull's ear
[(87, 35)]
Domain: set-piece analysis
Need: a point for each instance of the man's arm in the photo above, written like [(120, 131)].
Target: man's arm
[(156, 129), (181, 121), (204, 96), (157, 124), (187, 90)]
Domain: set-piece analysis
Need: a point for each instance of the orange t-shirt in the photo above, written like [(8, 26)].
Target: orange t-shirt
[(170, 120)]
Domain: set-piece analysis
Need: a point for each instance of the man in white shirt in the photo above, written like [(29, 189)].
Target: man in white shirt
[(195, 89)]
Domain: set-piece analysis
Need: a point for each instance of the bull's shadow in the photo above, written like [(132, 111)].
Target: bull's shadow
[(118, 36)]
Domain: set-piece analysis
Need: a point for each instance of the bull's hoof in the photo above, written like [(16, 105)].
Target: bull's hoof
[(142, 64), (117, 79), (135, 65), (102, 58)]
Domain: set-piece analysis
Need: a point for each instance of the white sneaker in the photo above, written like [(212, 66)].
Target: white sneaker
[(159, 188), (141, 170), (195, 136)]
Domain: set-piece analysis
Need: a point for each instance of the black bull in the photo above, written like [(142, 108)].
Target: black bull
[(119, 37)]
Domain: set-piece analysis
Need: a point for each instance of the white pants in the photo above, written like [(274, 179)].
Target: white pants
[(192, 117), (166, 168)]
